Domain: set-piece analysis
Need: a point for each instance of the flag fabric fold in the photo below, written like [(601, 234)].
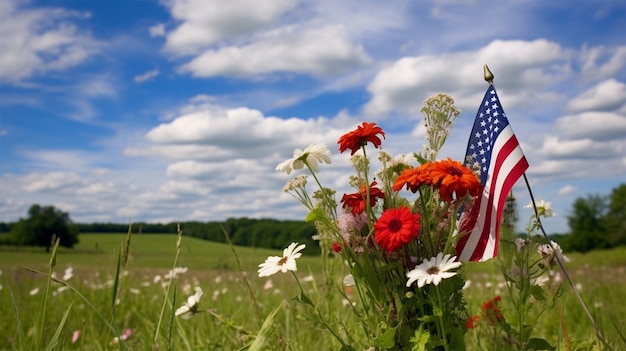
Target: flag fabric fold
[(494, 151)]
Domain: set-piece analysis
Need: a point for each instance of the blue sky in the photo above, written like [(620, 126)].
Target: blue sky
[(125, 111)]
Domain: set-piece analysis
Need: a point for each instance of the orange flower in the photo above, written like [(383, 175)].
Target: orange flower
[(413, 178), (453, 177), (396, 227), (356, 201), (367, 132)]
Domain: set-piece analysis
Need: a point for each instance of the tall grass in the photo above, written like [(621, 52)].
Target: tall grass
[(104, 298)]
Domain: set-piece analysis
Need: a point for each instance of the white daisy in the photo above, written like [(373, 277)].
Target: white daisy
[(544, 208), (313, 154), (287, 262), (548, 251), (433, 270), (191, 306)]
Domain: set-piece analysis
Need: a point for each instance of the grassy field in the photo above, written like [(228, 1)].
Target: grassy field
[(232, 319)]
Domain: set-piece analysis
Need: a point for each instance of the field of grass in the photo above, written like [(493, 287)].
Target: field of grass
[(134, 301)]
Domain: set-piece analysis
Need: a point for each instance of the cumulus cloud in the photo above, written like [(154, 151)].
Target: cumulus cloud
[(319, 51), (521, 67), (602, 62), (598, 126), (605, 96), (218, 133), (203, 23), (36, 41)]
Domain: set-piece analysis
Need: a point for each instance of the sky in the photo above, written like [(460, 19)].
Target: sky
[(178, 110)]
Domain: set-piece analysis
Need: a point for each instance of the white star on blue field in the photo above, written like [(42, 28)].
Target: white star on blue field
[(127, 111)]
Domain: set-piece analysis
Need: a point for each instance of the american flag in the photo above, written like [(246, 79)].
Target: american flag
[(494, 151)]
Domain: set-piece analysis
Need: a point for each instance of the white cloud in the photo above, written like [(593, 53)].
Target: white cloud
[(555, 148), (158, 30), (605, 96), (567, 190), (141, 78), (321, 51), (602, 62), (599, 126), (36, 41), (521, 66), (206, 22)]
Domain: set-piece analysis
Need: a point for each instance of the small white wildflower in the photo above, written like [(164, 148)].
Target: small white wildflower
[(349, 280), (189, 308), (68, 274), (549, 251), (34, 292), (433, 270), (520, 243), (287, 262), (312, 155), (544, 209)]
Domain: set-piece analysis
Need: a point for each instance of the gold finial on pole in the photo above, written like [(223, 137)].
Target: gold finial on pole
[(488, 75)]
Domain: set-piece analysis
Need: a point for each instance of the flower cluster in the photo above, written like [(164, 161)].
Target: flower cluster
[(400, 247)]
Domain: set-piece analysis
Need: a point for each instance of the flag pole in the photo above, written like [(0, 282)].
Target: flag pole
[(489, 79)]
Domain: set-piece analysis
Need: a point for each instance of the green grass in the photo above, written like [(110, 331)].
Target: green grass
[(212, 266)]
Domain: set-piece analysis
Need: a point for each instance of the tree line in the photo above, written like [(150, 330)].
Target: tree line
[(596, 222), (44, 223)]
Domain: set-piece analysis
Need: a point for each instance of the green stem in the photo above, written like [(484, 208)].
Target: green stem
[(442, 325)]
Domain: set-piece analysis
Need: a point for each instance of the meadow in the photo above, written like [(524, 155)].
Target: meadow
[(114, 303)]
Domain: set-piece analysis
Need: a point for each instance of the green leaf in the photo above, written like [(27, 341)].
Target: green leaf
[(303, 298), (538, 293), (538, 344), (313, 215), (420, 339), (262, 338), (386, 339)]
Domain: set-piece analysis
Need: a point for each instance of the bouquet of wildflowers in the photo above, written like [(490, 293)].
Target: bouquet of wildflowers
[(397, 232)]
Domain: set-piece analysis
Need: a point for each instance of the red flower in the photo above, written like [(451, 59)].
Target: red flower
[(471, 322), (491, 311), (336, 247), (367, 132), (452, 177), (356, 201), (396, 227), (413, 178)]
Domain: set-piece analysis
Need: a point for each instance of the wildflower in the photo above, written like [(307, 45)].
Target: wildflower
[(34, 292), (75, 336), (453, 177), (287, 262), (433, 270), (336, 247), (356, 201), (354, 140), (520, 243), (191, 306), (69, 273), (311, 156), (268, 284), (413, 178), (349, 224), (348, 280), (396, 227), (471, 322), (544, 208), (127, 333), (491, 311), (549, 251)]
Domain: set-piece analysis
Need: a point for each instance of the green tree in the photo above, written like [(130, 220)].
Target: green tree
[(41, 225), (587, 224), (615, 219)]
